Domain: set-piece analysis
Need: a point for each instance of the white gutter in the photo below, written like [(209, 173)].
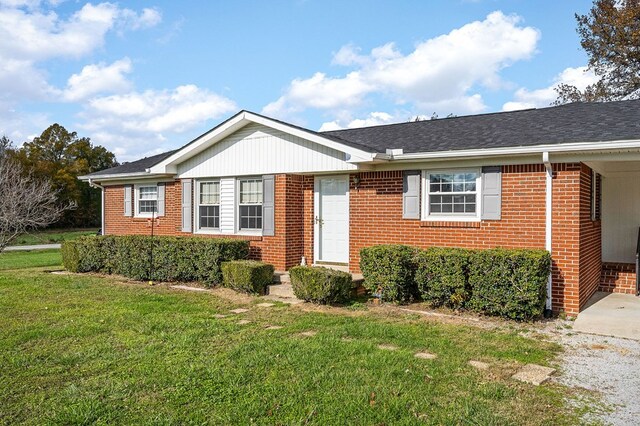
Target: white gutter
[(536, 149), (95, 185), (548, 220), (114, 176)]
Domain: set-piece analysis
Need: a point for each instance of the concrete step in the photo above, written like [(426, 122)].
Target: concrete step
[(281, 277), (281, 290)]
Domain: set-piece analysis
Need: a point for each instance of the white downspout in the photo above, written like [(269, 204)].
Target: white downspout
[(548, 220), (95, 185)]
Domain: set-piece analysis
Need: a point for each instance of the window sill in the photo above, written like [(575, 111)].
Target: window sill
[(256, 233), (251, 236), (208, 232), (450, 223), (146, 217)]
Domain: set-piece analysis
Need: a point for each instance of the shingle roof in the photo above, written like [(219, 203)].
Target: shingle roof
[(576, 122), (137, 166)]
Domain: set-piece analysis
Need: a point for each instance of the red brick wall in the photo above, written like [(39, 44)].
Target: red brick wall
[(116, 223), (376, 215), (283, 250), (618, 278), (590, 240), (376, 218)]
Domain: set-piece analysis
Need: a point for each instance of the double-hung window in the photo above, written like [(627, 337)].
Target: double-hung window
[(209, 204), (452, 194), (147, 200), (250, 204)]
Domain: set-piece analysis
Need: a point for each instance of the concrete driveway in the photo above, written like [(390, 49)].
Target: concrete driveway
[(611, 314), (33, 247)]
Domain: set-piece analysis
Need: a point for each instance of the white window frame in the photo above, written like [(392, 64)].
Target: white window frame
[(450, 217), (197, 204), (256, 231), (136, 197)]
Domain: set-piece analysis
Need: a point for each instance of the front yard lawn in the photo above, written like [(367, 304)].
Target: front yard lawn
[(50, 236), (30, 259), (85, 349)]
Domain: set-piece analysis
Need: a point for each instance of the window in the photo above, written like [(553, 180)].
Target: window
[(147, 200), (209, 205), (250, 204), (452, 194), (595, 195)]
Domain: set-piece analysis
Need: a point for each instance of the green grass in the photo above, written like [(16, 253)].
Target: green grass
[(89, 350), (30, 259), (52, 236)]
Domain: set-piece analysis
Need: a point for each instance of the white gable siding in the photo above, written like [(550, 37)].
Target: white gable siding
[(257, 150)]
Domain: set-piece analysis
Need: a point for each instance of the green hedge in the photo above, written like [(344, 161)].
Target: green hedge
[(249, 276), (320, 285), (174, 258), (390, 270), (441, 276), (509, 283)]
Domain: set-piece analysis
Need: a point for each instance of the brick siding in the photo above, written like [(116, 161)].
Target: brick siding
[(375, 215), (618, 278)]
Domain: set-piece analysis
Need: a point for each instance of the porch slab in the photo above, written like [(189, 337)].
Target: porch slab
[(611, 314)]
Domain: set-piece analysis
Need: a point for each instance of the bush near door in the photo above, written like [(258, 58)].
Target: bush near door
[(249, 276), (389, 270), (320, 285)]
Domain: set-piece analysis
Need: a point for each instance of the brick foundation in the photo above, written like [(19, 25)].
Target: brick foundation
[(618, 278)]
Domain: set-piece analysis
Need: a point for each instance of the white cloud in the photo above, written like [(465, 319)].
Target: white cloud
[(98, 78), (441, 73), (136, 123), (31, 32), (150, 17), (524, 98), (373, 119)]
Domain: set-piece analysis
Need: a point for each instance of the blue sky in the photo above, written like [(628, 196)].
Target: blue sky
[(142, 77)]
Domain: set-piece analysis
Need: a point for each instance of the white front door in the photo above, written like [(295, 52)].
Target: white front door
[(332, 219)]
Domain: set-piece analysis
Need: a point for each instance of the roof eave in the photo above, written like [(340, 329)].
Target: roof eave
[(573, 147), (121, 176)]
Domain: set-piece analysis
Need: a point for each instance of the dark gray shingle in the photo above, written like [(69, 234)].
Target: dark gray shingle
[(137, 166), (576, 122)]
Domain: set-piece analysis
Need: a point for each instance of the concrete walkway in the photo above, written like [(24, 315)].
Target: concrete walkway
[(33, 247), (611, 314)]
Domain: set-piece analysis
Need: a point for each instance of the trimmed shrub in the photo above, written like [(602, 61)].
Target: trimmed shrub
[(509, 283), (249, 276), (157, 258), (70, 255), (391, 269), (320, 285), (441, 276)]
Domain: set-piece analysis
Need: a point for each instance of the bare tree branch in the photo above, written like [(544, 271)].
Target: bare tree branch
[(26, 203)]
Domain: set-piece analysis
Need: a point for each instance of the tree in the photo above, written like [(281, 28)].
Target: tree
[(26, 203), (610, 34), (61, 156), (6, 145)]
